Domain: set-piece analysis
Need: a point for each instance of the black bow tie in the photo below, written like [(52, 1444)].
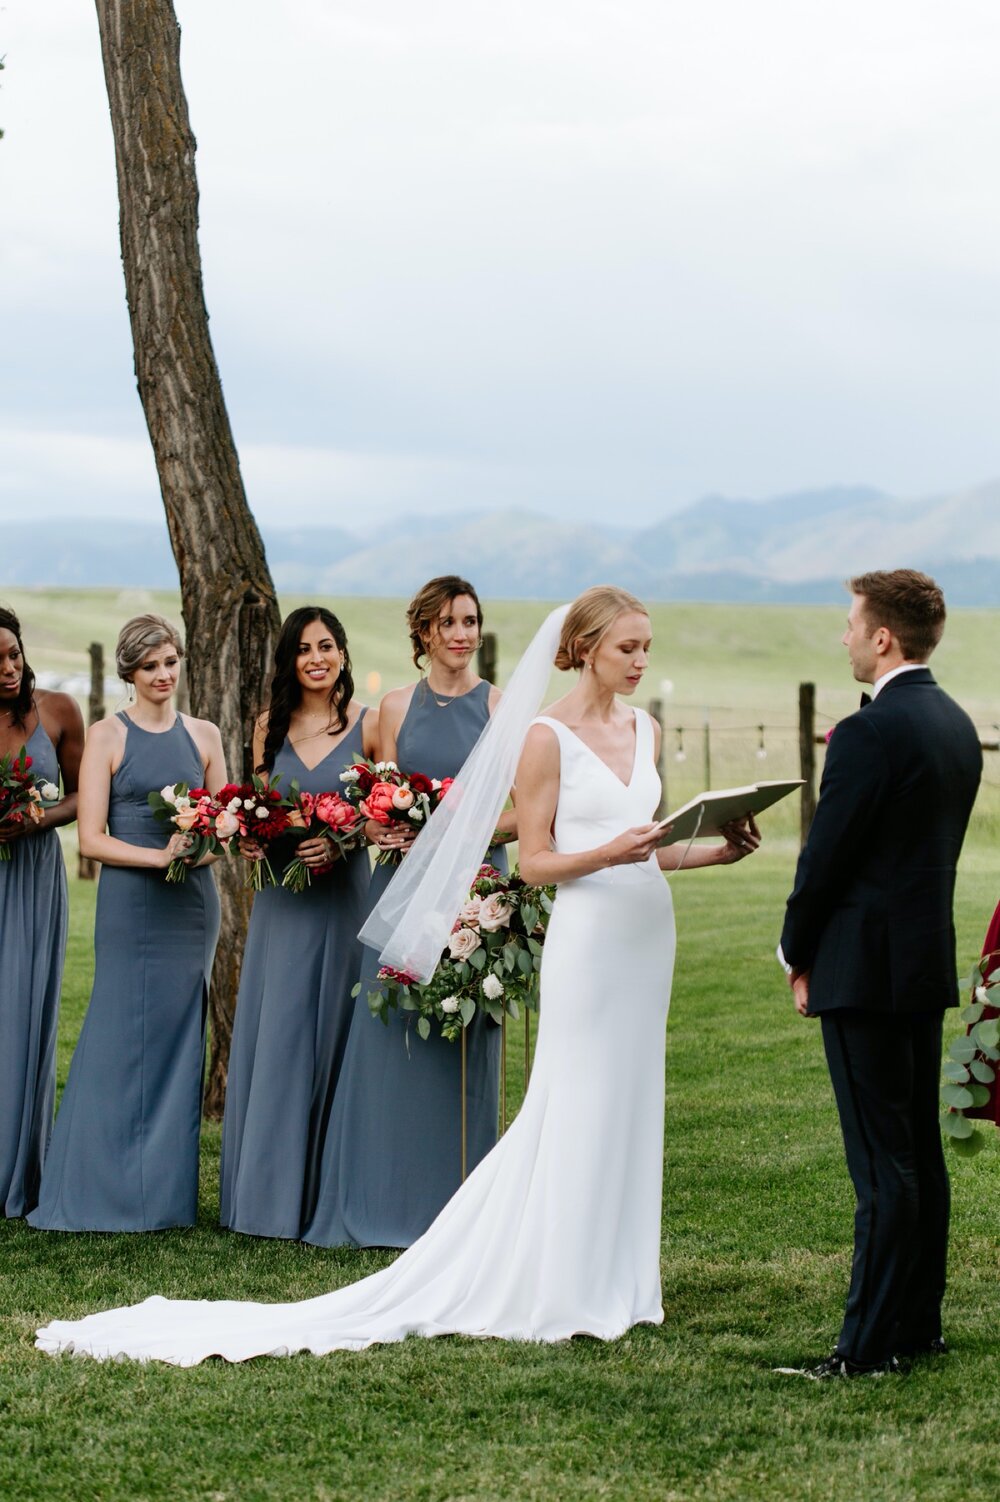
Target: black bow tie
[(865, 699)]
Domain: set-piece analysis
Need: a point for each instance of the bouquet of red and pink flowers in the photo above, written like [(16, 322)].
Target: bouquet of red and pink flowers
[(315, 814), (21, 800), (380, 791), (261, 815), (194, 812)]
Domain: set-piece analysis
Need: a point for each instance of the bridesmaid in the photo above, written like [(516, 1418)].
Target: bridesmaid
[(32, 920), (302, 953), (392, 1156), (124, 1153)]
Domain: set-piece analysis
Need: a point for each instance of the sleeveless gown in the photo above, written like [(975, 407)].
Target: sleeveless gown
[(557, 1232), (33, 919), (393, 1154), (293, 1014), (124, 1154)]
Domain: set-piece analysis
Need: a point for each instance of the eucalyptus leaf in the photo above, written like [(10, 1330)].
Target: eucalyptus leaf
[(956, 1125), (509, 957), (525, 963), (477, 959), (980, 1095), (968, 1147), (424, 1027), (467, 1009), (972, 1012), (957, 1096), (529, 916), (963, 1049), (955, 1072), (987, 1034), (983, 1072), (534, 946), (991, 1053), (513, 1008)]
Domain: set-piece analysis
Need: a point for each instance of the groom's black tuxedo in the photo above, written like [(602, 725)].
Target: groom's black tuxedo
[(870, 919)]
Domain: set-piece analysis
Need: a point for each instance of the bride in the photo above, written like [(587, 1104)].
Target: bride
[(557, 1231)]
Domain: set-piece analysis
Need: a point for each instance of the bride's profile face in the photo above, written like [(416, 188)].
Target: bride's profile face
[(622, 655)]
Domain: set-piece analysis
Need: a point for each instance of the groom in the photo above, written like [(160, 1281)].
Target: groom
[(869, 946)]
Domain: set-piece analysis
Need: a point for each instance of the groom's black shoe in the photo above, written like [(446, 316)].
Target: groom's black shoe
[(837, 1367)]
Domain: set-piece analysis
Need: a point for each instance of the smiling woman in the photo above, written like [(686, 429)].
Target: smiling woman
[(124, 1153)]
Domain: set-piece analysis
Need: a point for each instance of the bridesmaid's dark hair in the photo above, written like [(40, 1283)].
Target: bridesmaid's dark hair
[(286, 691), (26, 692), (425, 607)]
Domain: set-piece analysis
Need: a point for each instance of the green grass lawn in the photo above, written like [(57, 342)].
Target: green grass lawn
[(756, 1238)]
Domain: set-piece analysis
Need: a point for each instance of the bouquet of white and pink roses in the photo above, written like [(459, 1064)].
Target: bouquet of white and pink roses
[(491, 962), (380, 791), (194, 812), (311, 815)]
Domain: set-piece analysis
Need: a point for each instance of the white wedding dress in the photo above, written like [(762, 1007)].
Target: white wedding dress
[(557, 1231)]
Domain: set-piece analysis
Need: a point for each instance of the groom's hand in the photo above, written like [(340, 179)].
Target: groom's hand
[(799, 982)]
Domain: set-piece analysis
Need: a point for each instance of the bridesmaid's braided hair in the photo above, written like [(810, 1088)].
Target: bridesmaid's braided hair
[(140, 636), (26, 692), (590, 616), (286, 691)]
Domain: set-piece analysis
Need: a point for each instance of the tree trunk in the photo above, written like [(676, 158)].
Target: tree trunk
[(229, 605)]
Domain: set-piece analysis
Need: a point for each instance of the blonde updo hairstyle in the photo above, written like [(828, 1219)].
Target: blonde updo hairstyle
[(140, 636), (590, 617)]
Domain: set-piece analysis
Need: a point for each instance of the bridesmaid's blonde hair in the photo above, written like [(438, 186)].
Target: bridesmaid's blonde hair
[(138, 637), (590, 616)]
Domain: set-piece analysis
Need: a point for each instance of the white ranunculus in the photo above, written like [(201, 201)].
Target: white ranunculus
[(233, 805), (182, 802), (450, 1004), (350, 775), (492, 987), (462, 943), (415, 815), (386, 766), (169, 793), (262, 812), (982, 994), (49, 792)]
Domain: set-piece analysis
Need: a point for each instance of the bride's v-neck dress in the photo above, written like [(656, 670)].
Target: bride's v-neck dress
[(557, 1231)]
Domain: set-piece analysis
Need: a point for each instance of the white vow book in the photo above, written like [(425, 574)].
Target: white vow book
[(706, 814)]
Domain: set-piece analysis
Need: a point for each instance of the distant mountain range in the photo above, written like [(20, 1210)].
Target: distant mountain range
[(791, 549)]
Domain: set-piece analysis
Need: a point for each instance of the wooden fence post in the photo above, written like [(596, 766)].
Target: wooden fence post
[(656, 710), (87, 868), (807, 755), (486, 657)]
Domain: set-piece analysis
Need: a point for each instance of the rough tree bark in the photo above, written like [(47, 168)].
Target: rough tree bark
[(229, 605)]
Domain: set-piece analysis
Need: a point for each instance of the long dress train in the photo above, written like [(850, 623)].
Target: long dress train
[(557, 1232)]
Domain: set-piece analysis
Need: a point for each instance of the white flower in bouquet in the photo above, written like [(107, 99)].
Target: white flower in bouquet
[(415, 815), (495, 913), (450, 1004), (261, 812), (351, 775), (403, 798), (435, 783), (470, 912), (386, 766), (233, 805), (49, 792), (492, 987), (463, 943), (982, 994), (169, 793), (182, 802)]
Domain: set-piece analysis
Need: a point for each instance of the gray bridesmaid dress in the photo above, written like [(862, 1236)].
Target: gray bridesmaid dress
[(393, 1154), (33, 913), (293, 1016), (124, 1153)]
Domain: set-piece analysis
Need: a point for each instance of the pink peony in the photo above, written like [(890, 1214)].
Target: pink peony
[(378, 804), (403, 798), (226, 825), (335, 812)]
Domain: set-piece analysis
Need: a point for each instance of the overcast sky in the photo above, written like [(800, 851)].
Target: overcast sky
[(590, 257)]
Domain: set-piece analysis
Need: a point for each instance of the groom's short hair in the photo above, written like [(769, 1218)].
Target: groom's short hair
[(908, 603)]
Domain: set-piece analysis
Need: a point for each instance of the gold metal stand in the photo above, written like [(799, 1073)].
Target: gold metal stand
[(503, 1071), (527, 1047), (464, 1120)]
